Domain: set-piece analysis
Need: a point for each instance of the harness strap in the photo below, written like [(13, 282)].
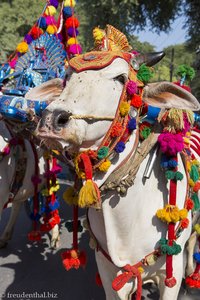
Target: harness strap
[(130, 272)]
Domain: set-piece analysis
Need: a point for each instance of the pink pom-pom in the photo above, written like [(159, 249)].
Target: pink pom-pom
[(50, 20), (131, 87), (170, 143), (12, 63), (75, 49)]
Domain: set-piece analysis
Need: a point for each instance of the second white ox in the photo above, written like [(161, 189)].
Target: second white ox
[(126, 228)]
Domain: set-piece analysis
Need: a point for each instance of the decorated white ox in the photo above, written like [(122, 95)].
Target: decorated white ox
[(96, 122), (21, 160)]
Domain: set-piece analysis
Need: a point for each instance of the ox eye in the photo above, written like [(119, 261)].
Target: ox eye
[(121, 78)]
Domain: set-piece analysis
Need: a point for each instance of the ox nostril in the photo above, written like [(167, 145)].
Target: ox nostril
[(61, 118)]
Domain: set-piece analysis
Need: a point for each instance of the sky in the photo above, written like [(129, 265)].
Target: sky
[(176, 36)]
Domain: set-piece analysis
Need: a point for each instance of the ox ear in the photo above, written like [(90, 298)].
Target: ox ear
[(47, 91), (169, 95)]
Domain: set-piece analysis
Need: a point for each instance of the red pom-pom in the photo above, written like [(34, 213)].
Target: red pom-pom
[(72, 22), (34, 236), (36, 32), (136, 101), (189, 204), (196, 187), (184, 223), (170, 282), (73, 259), (98, 279), (116, 130), (193, 281)]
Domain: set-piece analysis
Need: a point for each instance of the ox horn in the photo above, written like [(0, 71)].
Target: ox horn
[(150, 59)]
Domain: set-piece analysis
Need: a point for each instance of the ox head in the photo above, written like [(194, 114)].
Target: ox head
[(81, 116)]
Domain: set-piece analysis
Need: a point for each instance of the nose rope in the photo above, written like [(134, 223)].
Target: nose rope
[(91, 117)]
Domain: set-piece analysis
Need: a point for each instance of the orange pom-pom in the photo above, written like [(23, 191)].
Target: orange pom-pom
[(22, 47), (72, 22), (196, 187), (189, 204), (136, 101), (184, 223), (73, 259), (116, 129), (36, 32)]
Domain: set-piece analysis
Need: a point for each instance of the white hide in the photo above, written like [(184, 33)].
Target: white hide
[(7, 175), (126, 227)]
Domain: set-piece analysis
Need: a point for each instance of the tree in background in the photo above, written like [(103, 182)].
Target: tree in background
[(17, 17), (125, 15)]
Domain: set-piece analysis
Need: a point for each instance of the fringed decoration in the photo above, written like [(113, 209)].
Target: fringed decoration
[(73, 258), (89, 194)]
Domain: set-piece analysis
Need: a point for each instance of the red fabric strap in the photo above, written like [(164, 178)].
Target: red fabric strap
[(122, 279), (87, 165)]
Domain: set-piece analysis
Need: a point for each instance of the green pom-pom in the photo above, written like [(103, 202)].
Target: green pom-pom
[(103, 152), (185, 71), (178, 176), (146, 132), (170, 250), (194, 173), (144, 73), (195, 200), (169, 174)]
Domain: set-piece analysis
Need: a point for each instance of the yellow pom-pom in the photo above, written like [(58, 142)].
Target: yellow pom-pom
[(22, 47), (171, 213), (50, 10), (98, 34), (51, 29), (188, 166), (191, 182), (89, 194), (197, 228), (124, 108), (186, 140), (105, 166), (72, 41), (70, 197), (71, 3), (183, 213), (195, 162)]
